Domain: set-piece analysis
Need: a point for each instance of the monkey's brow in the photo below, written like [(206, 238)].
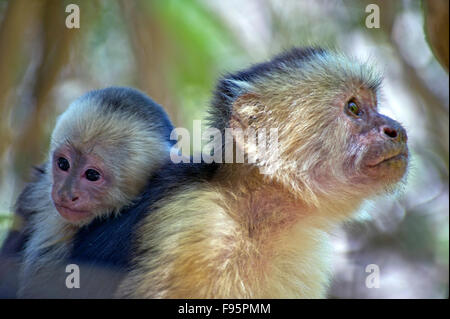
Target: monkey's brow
[(373, 92), (67, 141)]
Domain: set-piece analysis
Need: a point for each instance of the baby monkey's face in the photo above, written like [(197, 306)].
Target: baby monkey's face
[(80, 183), (377, 148)]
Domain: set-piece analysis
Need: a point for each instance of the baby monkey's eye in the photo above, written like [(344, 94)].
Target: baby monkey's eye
[(63, 164), (353, 107), (92, 175)]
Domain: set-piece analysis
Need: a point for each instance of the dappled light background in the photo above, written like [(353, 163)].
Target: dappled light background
[(176, 50)]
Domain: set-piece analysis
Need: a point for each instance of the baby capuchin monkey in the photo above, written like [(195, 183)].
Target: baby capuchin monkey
[(103, 150), (243, 234)]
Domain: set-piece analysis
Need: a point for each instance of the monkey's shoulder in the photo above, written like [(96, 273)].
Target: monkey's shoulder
[(24, 209), (25, 202)]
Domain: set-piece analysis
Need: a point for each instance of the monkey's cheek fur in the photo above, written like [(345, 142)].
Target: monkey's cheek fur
[(73, 216)]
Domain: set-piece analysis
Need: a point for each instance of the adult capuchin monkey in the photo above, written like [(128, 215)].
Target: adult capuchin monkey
[(104, 148), (237, 233)]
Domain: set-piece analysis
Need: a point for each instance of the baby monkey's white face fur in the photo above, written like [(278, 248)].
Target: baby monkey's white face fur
[(332, 141), (103, 149)]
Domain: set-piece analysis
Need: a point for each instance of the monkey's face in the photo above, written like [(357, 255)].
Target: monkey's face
[(377, 149), (103, 150), (354, 149), (339, 144), (81, 182)]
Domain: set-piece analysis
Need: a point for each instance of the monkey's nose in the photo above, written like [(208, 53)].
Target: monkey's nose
[(394, 132), (66, 196)]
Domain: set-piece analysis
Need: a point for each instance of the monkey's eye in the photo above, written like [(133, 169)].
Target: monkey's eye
[(353, 108), (92, 175), (63, 164)]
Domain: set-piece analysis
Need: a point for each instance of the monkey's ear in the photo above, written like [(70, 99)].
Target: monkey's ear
[(244, 111)]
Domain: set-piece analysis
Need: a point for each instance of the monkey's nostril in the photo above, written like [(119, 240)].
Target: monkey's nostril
[(74, 198), (392, 133)]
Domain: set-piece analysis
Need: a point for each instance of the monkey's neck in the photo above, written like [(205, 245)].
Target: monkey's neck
[(265, 204), (259, 203)]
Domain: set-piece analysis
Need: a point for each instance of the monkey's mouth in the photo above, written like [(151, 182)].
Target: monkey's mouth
[(72, 215), (388, 159)]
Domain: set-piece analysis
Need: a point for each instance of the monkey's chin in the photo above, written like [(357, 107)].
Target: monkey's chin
[(73, 216), (391, 168)]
